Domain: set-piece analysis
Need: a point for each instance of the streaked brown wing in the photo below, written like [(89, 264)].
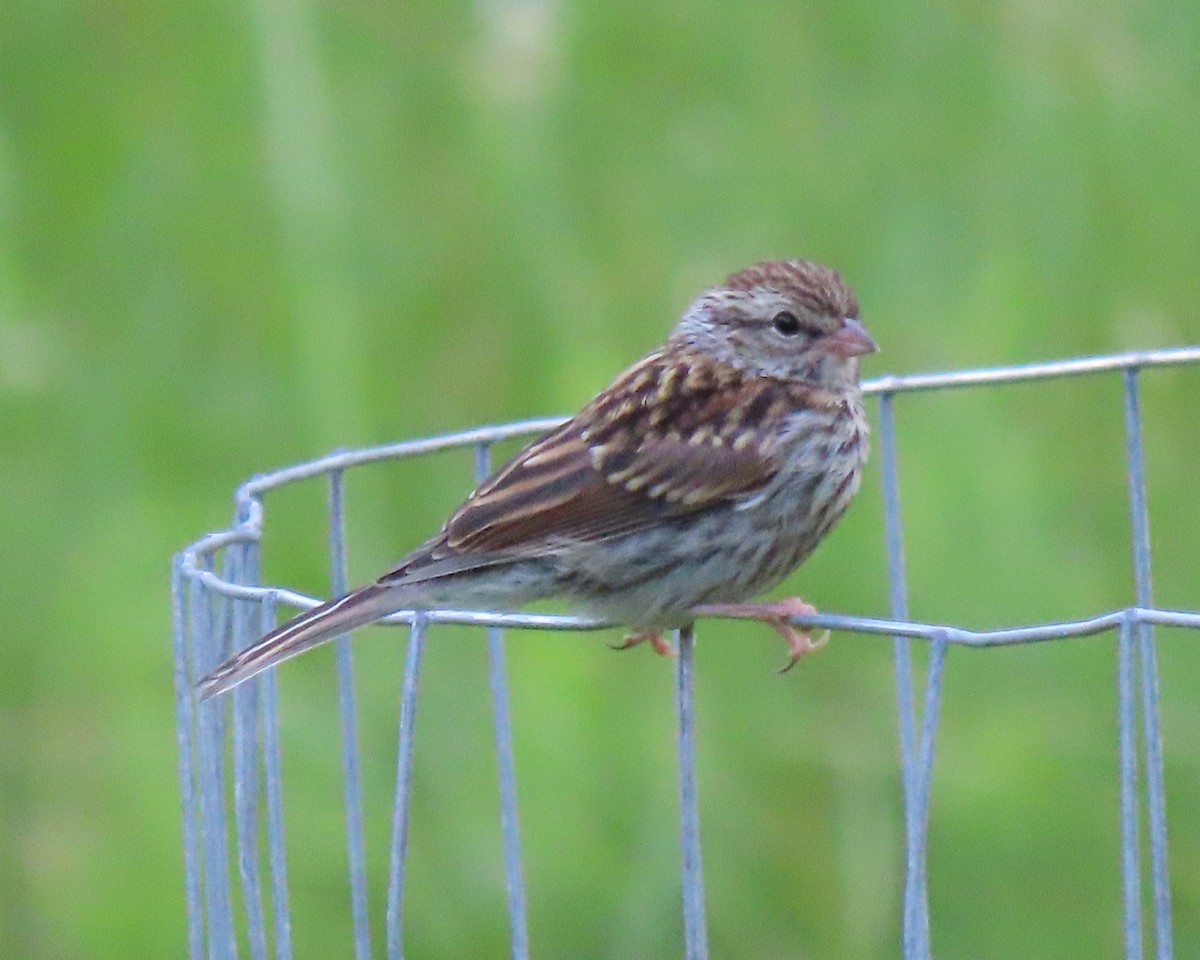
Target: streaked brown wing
[(662, 441)]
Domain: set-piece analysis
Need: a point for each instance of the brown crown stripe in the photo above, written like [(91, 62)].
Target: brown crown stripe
[(810, 283)]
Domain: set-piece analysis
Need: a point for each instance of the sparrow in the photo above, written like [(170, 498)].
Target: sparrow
[(701, 477)]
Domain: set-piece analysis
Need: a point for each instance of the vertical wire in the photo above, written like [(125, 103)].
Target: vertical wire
[(510, 828), (400, 816), (916, 909), (1126, 719), (695, 932), (221, 624), (273, 777), (210, 739), (245, 761), (1151, 729), (355, 845), (918, 855), (181, 640), (245, 790), (1156, 796)]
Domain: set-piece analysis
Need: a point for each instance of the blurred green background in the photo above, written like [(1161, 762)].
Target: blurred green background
[(235, 236)]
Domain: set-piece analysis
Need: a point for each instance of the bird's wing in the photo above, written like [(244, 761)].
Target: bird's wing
[(666, 439)]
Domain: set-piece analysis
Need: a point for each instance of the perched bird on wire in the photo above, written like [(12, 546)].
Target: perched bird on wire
[(700, 477)]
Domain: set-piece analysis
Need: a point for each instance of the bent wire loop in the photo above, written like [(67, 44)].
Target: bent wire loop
[(218, 605)]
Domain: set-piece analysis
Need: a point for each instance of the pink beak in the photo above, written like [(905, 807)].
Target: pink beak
[(850, 340)]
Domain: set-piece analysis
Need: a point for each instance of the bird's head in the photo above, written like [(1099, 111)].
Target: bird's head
[(790, 320)]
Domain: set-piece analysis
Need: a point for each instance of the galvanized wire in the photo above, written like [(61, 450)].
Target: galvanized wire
[(355, 845), (398, 863), (273, 773), (213, 613), (695, 926), (1156, 788), (916, 907), (514, 879)]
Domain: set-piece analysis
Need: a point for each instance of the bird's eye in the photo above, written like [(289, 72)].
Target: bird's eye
[(786, 323)]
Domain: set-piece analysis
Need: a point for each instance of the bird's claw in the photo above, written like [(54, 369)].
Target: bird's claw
[(661, 645), (799, 642), (777, 616)]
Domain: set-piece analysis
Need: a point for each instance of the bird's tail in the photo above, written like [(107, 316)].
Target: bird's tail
[(299, 634)]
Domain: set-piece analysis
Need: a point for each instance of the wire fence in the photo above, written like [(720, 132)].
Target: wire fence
[(220, 606)]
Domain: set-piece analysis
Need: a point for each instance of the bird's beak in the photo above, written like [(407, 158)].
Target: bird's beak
[(850, 340)]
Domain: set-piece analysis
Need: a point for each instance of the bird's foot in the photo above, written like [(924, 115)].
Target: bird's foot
[(662, 646), (777, 616)]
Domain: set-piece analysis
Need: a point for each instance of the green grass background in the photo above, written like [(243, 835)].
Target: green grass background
[(235, 236)]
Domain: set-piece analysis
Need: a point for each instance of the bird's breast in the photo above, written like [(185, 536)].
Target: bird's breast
[(823, 452)]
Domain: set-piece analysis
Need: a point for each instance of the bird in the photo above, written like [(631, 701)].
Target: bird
[(699, 478)]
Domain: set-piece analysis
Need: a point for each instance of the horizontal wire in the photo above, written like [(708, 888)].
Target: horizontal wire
[(1033, 371), (250, 518), (249, 494), (958, 636), (257, 486)]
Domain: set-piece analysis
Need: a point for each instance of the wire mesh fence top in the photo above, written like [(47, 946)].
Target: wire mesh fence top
[(230, 762)]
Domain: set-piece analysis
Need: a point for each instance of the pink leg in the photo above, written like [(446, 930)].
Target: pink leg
[(662, 646), (776, 616)]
